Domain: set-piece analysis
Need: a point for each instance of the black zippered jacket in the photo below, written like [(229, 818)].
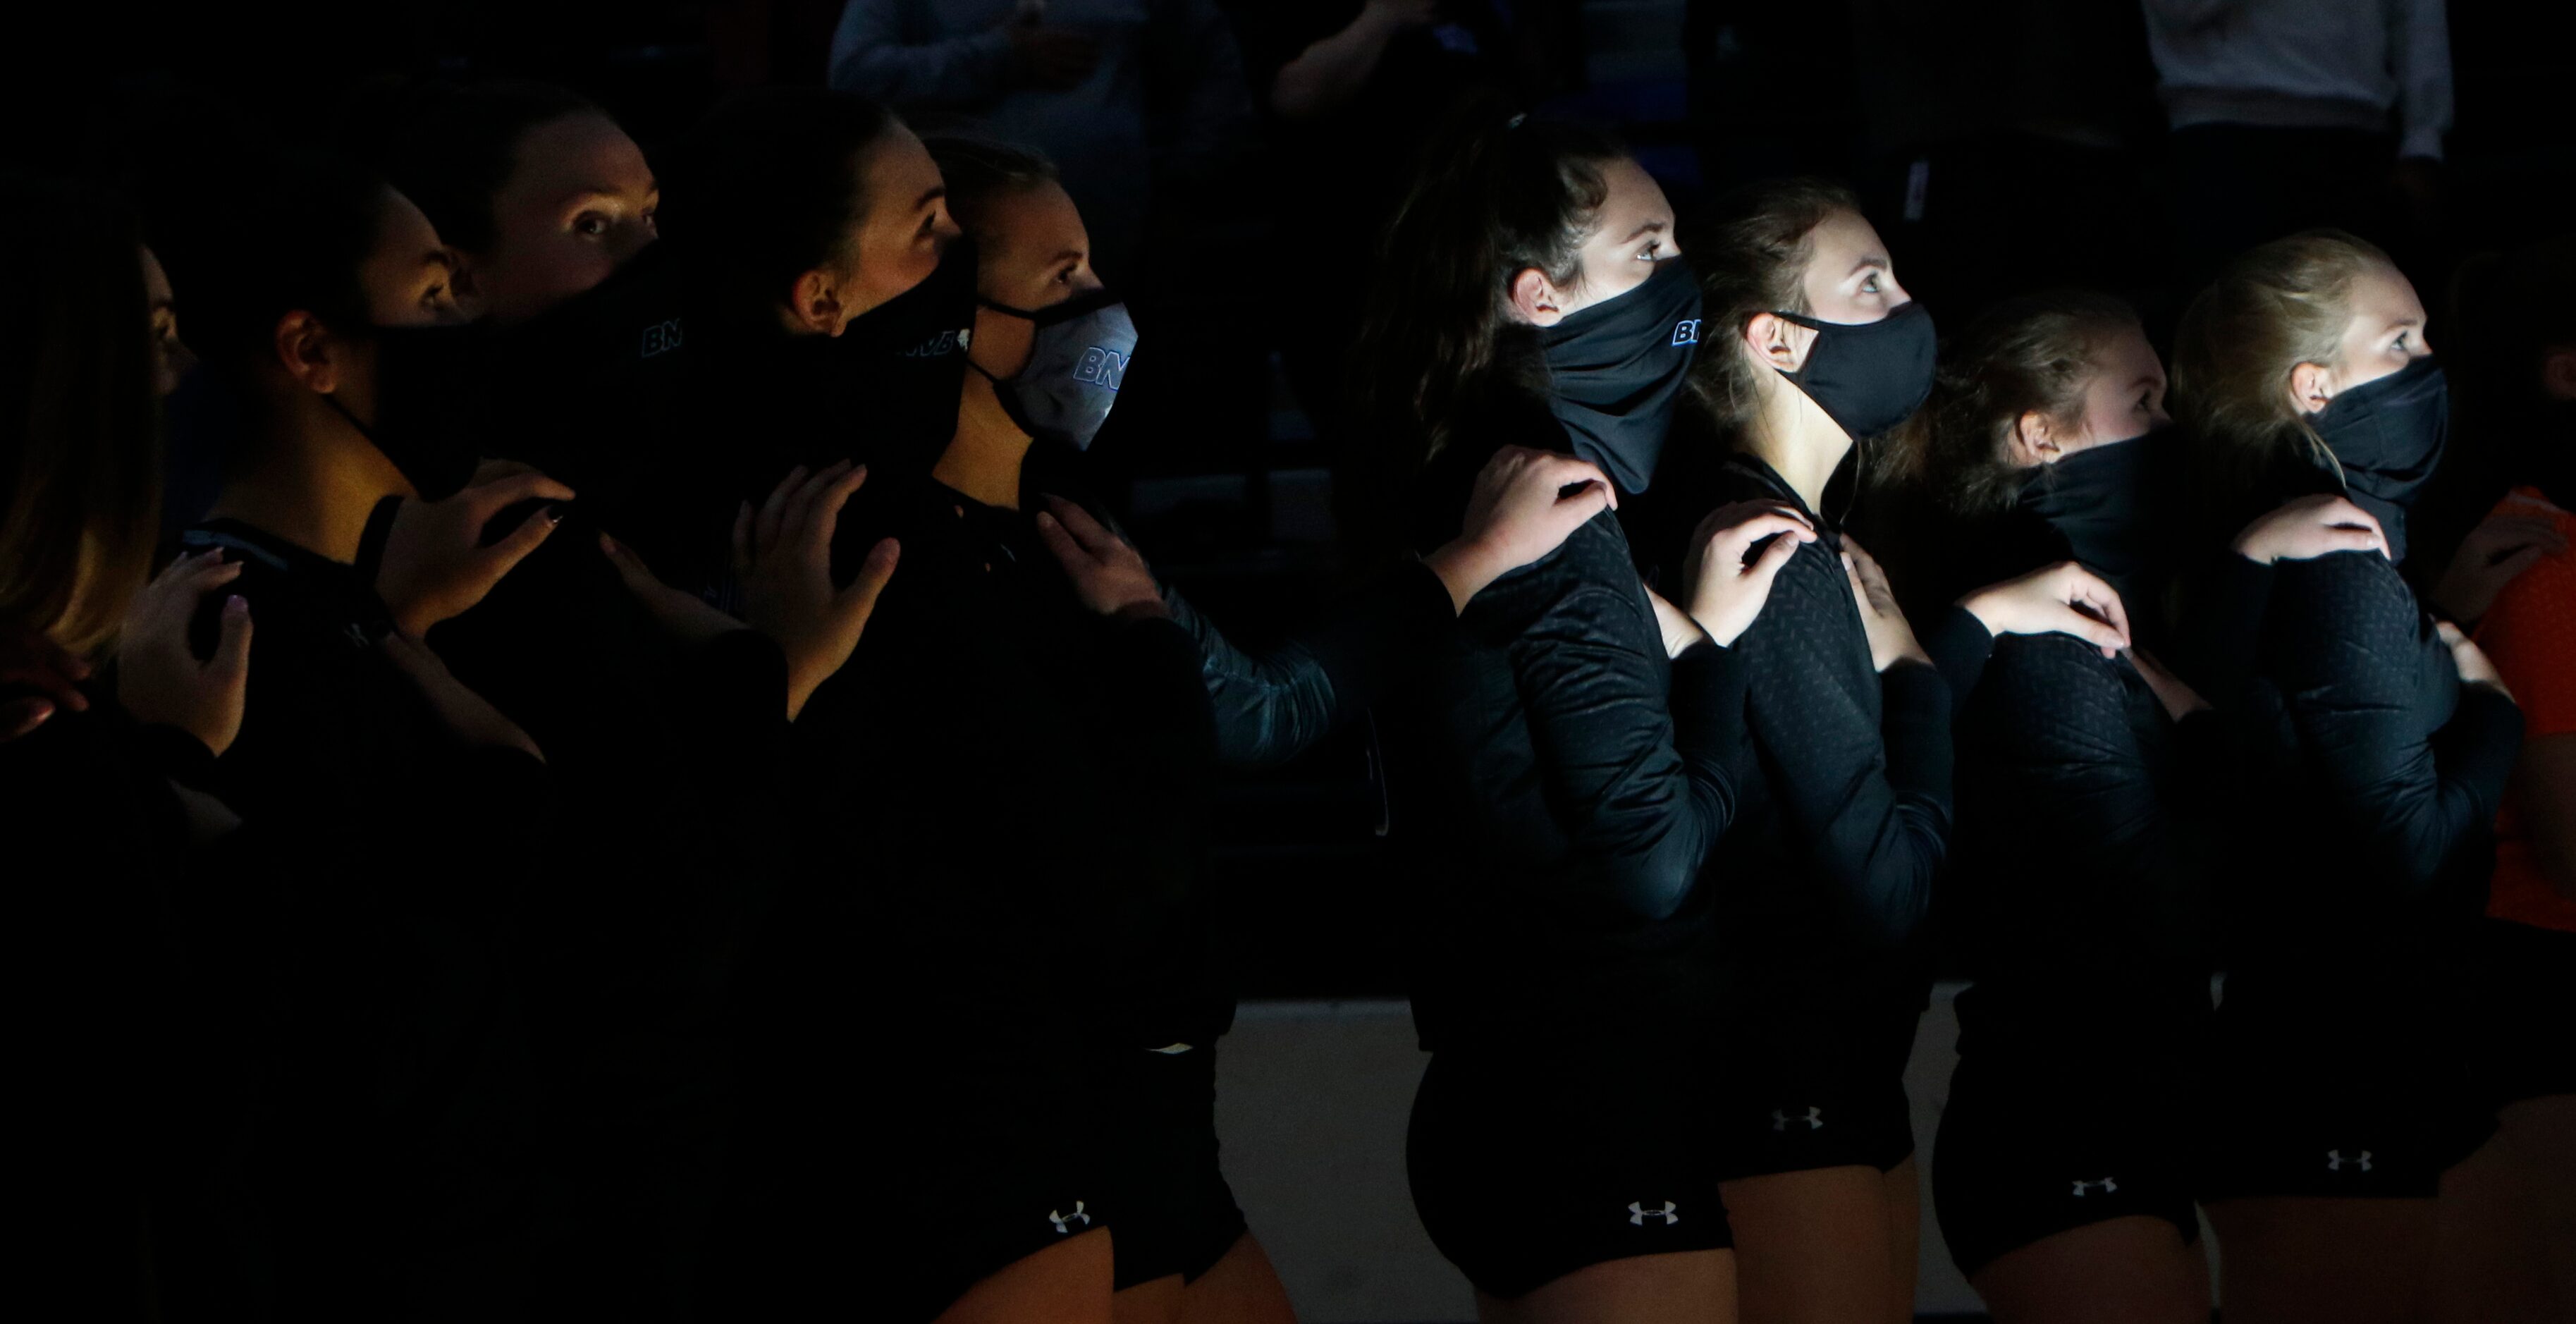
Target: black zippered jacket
[(1846, 783), (1558, 783)]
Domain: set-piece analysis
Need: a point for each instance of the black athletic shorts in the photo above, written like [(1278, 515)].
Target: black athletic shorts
[(1175, 1213), (2032, 1146), (891, 1202), (2526, 982), (1803, 1091), (1530, 1164), (2368, 1095)]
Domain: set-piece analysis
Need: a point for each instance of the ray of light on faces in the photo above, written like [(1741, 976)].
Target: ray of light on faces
[(898, 242), (409, 281), (579, 202), (2124, 397), (1032, 252), (2384, 333), (1631, 232), (1849, 279)]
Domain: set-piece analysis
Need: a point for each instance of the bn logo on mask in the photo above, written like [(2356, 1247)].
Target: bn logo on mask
[(1101, 367), (660, 337), (1686, 332)]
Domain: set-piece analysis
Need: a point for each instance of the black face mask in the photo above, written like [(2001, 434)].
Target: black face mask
[(590, 389), (1077, 359), (1869, 376), (428, 383), (2116, 507), (885, 389), (929, 321), (2387, 436), (1615, 368)]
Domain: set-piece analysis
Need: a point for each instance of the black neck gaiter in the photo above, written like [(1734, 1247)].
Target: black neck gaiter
[(1615, 368), (2387, 436), (2116, 507)]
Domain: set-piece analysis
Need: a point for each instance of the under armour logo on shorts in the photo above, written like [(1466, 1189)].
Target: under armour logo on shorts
[(1638, 1213)]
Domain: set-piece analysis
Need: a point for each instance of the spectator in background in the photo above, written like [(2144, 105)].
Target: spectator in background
[(2289, 114), (1117, 94), (1966, 102)]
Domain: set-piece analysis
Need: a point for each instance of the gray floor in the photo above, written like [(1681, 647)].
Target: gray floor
[(1311, 1103)]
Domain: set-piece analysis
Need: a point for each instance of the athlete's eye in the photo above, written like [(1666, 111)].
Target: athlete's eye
[(590, 224)]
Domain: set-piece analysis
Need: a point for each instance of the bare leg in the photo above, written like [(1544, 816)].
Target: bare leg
[(1240, 1288), (1904, 1238), (2542, 1133), (1811, 1247), (1155, 1302), (1067, 1283), (2133, 1270), (2303, 1259), (2490, 1266), (1685, 1287)]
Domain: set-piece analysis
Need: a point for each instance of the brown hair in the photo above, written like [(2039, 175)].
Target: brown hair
[(979, 170), (1751, 254), (2032, 354), (2271, 309), (80, 444), (1491, 199)]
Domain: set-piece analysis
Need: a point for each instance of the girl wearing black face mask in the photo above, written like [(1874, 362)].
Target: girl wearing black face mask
[(1812, 348), (2096, 799), (403, 812), (666, 727), (1558, 769), (2338, 1091)]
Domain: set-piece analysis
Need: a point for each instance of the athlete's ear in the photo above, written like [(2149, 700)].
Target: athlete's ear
[(1776, 340), (1536, 298), (2034, 440), (2312, 386), (2558, 373), (308, 352), (814, 303)]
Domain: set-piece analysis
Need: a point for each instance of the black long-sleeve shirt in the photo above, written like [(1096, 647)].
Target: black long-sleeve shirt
[(135, 1085), (1846, 806), (2093, 833), (1273, 705), (382, 912), (2399, 768), (1558, 783), (670, 771), (2417, 761), (1012, 786)]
